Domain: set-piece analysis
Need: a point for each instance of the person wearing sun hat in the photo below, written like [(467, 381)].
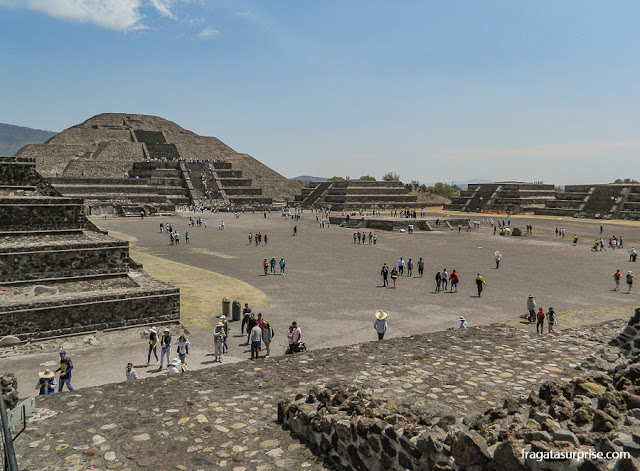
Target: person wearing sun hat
[(218, 336), (381, 323), (165, 347), (46, 383), (463, 323), (630, 279), (153, 345), (174, 367)]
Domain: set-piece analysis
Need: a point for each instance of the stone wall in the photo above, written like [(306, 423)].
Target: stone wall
[(40, 213), (93, 312), (628, 341)]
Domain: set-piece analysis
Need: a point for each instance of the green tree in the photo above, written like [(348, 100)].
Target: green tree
[(335, 179), (626, 180), (445, 189), (367, 178), (391, 177)]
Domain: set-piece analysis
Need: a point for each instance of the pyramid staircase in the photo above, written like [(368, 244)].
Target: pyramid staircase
[(58, 273)]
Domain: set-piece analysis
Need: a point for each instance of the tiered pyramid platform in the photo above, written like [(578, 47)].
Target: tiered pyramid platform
[(618, 201), (58, 273), (516, 197), (350, 195), (91, 160)]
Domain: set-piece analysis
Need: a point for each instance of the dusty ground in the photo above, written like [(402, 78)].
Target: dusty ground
[(332, 287)]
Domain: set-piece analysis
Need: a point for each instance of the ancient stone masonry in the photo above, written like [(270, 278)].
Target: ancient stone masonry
[(58, 273), (628, 341), (350, 195), (90, 161), (517, 197)]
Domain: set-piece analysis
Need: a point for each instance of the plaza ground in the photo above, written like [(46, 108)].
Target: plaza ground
[(332, 287)]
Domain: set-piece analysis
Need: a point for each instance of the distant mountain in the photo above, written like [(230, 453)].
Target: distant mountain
[(12, 138), (309, 178)]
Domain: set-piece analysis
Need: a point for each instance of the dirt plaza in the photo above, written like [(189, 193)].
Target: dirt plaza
[(332, 287)]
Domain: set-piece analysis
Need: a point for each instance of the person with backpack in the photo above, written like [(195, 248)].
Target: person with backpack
[(630, 279), (272, 265), (183, 348), (454, 280), (552, 319), (616, 279), (282, 265), (540, 323), (218, 341), (265, 266)]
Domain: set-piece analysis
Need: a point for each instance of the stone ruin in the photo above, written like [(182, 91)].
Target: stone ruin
[(59, 274), (615, 201), (354, 429), (516, 197), (354, 195), (90, 161)]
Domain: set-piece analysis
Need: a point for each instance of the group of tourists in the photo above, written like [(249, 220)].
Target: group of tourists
[(361, 237), (539, 316), (271, 265), (617, 276), (258, 238)]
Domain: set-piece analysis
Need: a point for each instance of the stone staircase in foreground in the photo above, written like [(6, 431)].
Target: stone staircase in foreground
[(58, 273)]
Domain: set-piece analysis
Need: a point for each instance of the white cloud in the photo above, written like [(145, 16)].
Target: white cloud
[(119, 15), (164, 7), (208, 33)]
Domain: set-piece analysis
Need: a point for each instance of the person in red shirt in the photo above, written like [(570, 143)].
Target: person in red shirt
[(454, 280), (540, 324)]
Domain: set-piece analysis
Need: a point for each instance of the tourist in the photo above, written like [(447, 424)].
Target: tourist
[(218, 341), (183, 348), (130, 373), (454, 280), (620, 243), (265, 239), (630, 279), (250, 237), (480, 283), (498, 256), (225, 335), (174, 367), (272, 265), (267, 335), (438, 281), (401, 264), (633, 254), (187, 240), (246, 314), (290, 340), (375, 239), (282, 265), (616, 279), (575, 239), (409, 268), (153, 345), (385, 274), (265, 266), (165, 347), (46, 383), (420, 267), (540, 324), (356, 236), (463, 323), (250, 325), (531, 307), (65, 371), (552, 319), (444, 278), (296, 337), (381, 323), (394, 276), (295, 230)]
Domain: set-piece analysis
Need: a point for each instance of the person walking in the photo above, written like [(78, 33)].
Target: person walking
[(420, 267), (410, 268), (265, 266), (498, 256), (218, 341), (153, 345), (394, 276), (225, 335), (165, 347), (438, 281), (454, 280), (630, 279), (401, 264), (47, 382), (130, 373), (385, 274), (480, 284), (551, 315), (282, 265), (616, 279), (540, 324), (445, 279), (381, 323), (65, 371), (272, 265), (183, 349), (531, 307)]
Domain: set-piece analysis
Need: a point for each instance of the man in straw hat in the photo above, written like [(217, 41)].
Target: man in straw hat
[(498, 257), (531, 307), (381, 323), (46, 383)]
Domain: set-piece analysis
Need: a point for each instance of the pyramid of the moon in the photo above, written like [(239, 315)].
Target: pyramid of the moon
[(132, 162)]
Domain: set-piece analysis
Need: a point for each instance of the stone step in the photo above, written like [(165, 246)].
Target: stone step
[(243, 191), (139, 198), (41, 213), (72, 189)]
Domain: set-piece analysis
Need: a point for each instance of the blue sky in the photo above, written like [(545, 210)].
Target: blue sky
[(434, 91)]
